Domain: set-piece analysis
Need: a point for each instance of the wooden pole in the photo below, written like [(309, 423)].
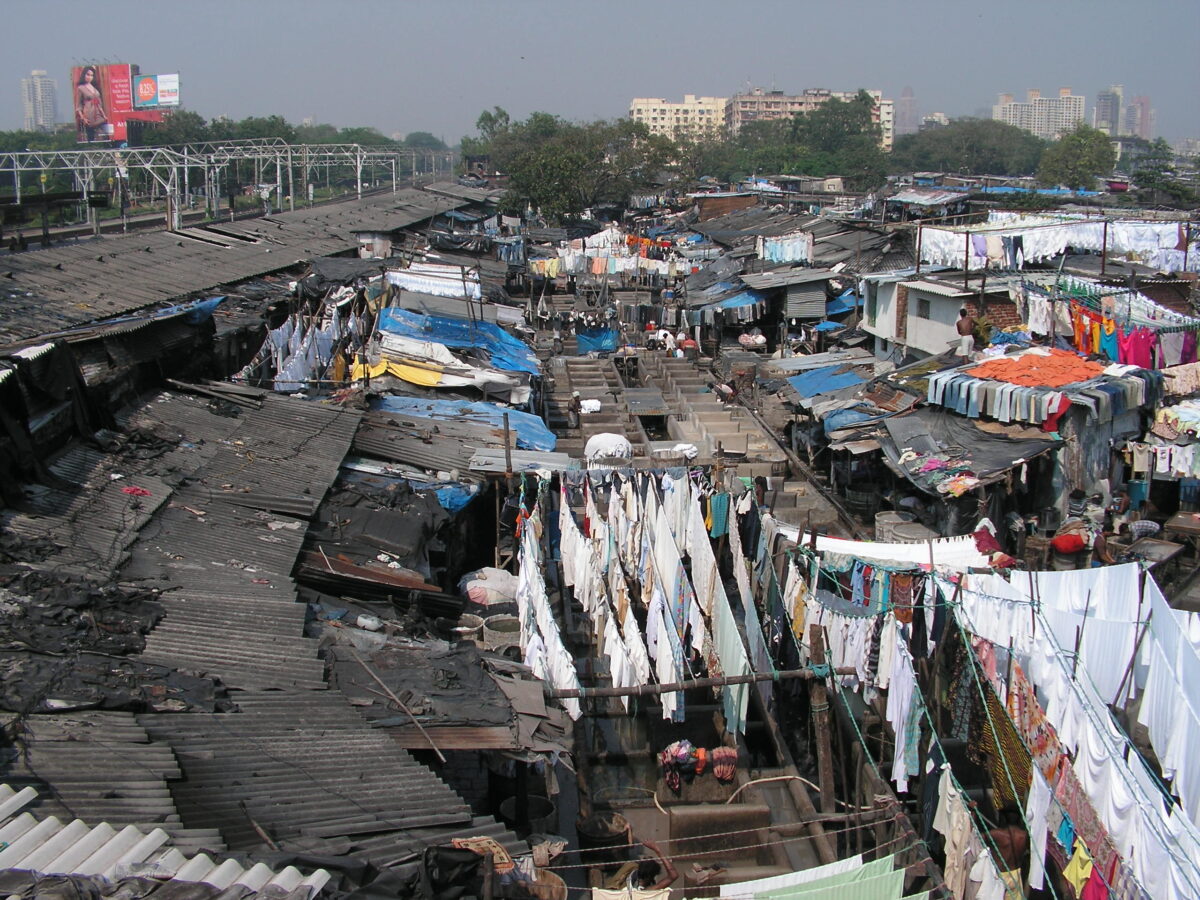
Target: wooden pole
[(387, 690), (819, 698), (967, 261), (1104, 248), (489, 876), (651, 690)]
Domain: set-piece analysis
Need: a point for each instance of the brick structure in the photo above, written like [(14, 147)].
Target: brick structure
[(1002, 313), (901, 314)]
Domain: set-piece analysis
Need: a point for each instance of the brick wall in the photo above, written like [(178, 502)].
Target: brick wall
[(901, 313), (1001, 313)]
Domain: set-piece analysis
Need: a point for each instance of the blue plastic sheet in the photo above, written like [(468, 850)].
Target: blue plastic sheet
[(531, 431), (503, 351), (843, 303), (842, 417), (596, 340), (822, 381), (452, 495)]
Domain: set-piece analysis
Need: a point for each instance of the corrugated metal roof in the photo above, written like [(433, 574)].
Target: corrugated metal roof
[(44, 291), (764, 280), (462, 192), (282, 765), (940, 288), (279, 766), (50, 846), (488, 459), (919, 197)]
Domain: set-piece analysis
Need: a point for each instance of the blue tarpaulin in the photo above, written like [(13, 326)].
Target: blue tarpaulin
[(829, 326), (452, 495), (502, 350), (822, 381), (720, 287), (842, 303), (843, 417), (531, 431), (596, 340)]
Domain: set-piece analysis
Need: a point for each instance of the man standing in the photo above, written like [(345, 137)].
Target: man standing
[(574, 409), (966, 334)]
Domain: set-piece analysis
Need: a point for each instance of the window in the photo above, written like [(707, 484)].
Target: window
[(872, 305), (923, 308)]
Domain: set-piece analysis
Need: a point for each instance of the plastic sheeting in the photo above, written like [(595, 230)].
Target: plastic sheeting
[(596, 340), (532, 433), (502, 350), (823, 380)]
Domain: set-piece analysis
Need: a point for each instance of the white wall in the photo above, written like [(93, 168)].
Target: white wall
[(938, 333), (885, 312)]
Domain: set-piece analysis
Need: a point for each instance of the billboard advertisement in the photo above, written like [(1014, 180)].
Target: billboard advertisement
[(155, 91), (103, 100)]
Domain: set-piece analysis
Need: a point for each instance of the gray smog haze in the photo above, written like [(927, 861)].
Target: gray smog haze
[(412, 65)]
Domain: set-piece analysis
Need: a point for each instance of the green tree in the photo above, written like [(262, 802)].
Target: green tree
[(365, 136), (319, 133), (423, 140), (264, 127), (971, 146), (1156, 178), (1075, 160), (20, 141), (562, 168), (179, 126)]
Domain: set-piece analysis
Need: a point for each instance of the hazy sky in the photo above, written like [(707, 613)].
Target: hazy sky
[(433, 65)]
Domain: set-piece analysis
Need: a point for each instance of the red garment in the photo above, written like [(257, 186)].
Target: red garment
[(1068, 543), (1141, 348), (985, 541), (1051, 422), (1095, 889)]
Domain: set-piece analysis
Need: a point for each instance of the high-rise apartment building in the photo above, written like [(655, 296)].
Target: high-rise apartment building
[(1110, 106), (39, 96), (1047, 117), (694, 117), (1139, 118), (908, 119), (760, 105)]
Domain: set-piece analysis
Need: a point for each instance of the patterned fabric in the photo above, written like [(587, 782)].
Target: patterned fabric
[(1007, 759), (902, 596), (1088, 828), (1027, 714)]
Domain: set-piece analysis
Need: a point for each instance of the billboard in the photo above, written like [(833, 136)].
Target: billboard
[(155, 91), (102, 97)]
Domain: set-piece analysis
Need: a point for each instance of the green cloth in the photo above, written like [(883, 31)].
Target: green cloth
[(878, 880)]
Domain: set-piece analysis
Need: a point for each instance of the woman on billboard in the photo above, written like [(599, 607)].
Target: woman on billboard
[(89, 107)]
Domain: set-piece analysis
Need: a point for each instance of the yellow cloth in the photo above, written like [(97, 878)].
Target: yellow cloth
[(421, 376), (1079, 869), (1013, 889)]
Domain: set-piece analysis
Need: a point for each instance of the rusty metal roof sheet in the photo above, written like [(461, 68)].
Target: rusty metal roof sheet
[(44, 291)]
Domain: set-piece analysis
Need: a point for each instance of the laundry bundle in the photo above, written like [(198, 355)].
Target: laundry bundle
[(682, 762)]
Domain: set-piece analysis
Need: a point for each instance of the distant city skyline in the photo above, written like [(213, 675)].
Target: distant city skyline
[(430, 66)]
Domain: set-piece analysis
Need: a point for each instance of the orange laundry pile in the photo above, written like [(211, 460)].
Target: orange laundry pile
[(1060, 368)]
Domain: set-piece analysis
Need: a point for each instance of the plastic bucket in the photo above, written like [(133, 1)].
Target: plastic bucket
[(469, 627), (886, 522), (548, 886), (912, 532), (543, 814), (603, 838), (500, 631)]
